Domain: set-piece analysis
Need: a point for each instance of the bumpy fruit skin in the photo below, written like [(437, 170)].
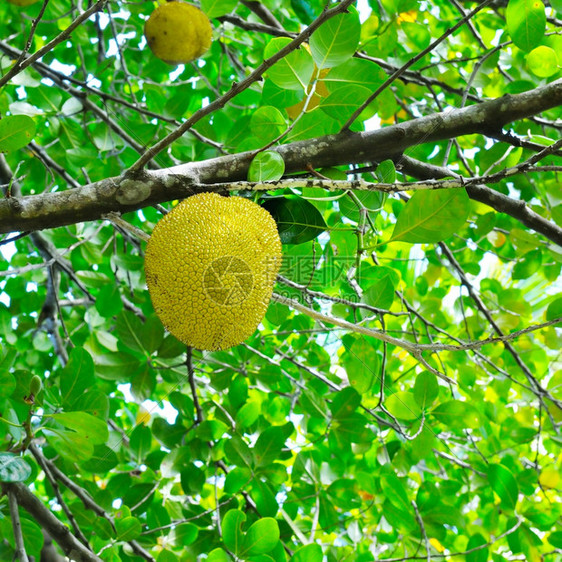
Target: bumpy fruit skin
[(210, 266), (178, 32), (22, 2)]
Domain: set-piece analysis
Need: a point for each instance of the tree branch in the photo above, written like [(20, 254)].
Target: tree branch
[(479, 192), (20, 554), (71, 546), (121, 194)]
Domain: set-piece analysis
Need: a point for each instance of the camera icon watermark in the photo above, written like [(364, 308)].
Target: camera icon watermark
[(228, 281)]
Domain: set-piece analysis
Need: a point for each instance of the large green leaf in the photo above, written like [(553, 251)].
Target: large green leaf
[(426, 389), (432, 216), (16, 131), (77, 376), (504, 485), (379, 282), (457, 414), (217, 8), (294, 71), (267, 123), (336, 40), (308, 553), (261, 537), (266, 166), (232, 533), (403, 405), (298, 220), (13, 468), (526, 22), (91, 428)]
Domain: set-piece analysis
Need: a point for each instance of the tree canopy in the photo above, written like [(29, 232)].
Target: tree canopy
[(401, 398)]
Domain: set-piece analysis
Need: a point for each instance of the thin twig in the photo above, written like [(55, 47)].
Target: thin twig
[(20, 553)]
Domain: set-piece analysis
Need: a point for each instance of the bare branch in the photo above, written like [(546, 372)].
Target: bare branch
[(71, 546), (20, 554)]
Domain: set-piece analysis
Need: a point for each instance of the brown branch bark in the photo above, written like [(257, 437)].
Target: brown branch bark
[(71, 546), (125, 194)]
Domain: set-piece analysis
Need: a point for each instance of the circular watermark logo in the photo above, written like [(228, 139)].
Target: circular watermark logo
[(228, 281)]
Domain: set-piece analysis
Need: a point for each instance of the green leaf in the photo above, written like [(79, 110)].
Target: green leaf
[(345, 403), (342, 103), (265, 500), (138, 336), (403, 405), (543, 61), (432, 216), (13, 468), (232, 534), (362, 365), (128, 528), (7, 384), (417, 33), (394, 490), (238, 452), (261, 537), (298, 220), (304, 11), (554, 310), (91, 428), (266, 166), (16, 131), (248, 414), (555, 539), (192, 479), (426, 389), (236, 479), (267, 123), (140, 441), (529, 264), (504, 485), (94, 402), (186, 534), (102, 460), (386, 171), (371, 200), (75, 446), (77, 376), (108, 301), (355, 71), (217, 8), (381, 282), (292, 72), (218, 555), (336, 40), (478, 555), (269, 445), (308, 553), (457, 414), (526, 22)]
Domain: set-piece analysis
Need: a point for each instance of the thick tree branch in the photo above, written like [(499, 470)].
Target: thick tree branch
[(125, 194), (71, 546)]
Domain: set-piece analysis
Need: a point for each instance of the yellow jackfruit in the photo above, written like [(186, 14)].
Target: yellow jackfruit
[(210, 266), (178, 33)]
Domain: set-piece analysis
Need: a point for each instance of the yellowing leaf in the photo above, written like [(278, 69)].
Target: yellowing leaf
[(549, 477)]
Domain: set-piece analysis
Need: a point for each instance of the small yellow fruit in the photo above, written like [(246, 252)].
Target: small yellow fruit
[(178, 32), (22, 2), (210, 266)]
